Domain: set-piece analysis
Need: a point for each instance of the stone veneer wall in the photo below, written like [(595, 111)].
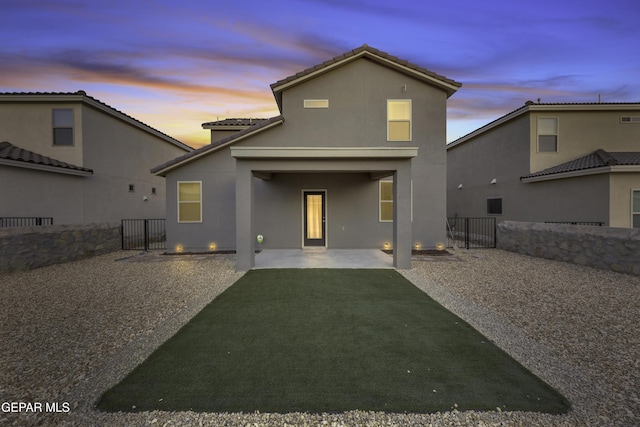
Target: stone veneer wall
[(25, 248), (616, 249)]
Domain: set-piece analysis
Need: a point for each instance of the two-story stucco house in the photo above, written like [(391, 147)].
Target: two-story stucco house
[(73, 158), (356, 159), (550, 163)]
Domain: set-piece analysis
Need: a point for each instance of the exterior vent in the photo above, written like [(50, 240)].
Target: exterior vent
[(630, 119), (316, 103)]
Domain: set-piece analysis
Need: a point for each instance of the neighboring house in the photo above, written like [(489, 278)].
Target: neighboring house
[(78, 160), (550, 163), (356, 159)]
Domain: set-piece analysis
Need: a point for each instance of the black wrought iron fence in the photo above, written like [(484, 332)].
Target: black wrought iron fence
[(24, 221), (472, 233), (143, 234)]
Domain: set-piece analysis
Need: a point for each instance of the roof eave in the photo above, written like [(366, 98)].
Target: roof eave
[(45, 168), (225, 127), (84, 98), (506, 118), (281, 85), (136, 123), (167, 167), (583, 172), (543, 107)]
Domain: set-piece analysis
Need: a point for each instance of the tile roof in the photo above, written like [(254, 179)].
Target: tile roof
[(263, 125), (10, 152), (598, 159), (367, 51), (551, 106), (82, 96), (357, 51), (235, 122)]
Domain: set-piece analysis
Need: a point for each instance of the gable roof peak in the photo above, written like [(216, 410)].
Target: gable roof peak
[(401, 65), (81, 96)]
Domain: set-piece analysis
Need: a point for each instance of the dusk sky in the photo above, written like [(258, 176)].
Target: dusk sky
[(177, 64)]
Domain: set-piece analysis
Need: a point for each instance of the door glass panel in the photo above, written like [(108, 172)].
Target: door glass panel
[(314, 216)]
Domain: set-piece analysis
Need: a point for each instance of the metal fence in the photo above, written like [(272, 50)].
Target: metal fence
[(472, 233), (24, 221), (143, 234)]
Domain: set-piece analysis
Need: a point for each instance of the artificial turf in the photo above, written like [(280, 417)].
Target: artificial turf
[(329, 340)]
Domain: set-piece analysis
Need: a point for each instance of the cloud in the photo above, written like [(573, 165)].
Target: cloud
[(82, 66)]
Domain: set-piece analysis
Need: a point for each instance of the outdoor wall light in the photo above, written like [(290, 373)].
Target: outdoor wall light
[(145, 199), (212, 246), (417, 245), (493, 181), (459, 186), (178, 248), (386, 245), (440, 246)]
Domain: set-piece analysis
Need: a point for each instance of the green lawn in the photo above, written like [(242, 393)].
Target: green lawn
[(321, 340)]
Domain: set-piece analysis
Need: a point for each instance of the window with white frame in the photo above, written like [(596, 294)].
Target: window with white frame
[(62, 126), (635, 209), (189, 201), (386, 201), (399, 120), (547, 134)]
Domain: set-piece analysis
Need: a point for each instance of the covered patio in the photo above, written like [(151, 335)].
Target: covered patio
[(322, 258), (378, 162)]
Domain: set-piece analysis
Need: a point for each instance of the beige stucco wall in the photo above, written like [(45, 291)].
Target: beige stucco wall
[(582, 132), (119, 155), (29, 126), (509, 151), (622, 185), (118, 152)]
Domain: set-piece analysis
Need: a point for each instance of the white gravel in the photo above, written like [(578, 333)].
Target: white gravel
[(68, 332)]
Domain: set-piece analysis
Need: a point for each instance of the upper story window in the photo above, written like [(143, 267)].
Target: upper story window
[(399, 120), (189, 201), (547, 134), (63, 126)]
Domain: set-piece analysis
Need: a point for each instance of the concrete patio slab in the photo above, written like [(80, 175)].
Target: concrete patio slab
[(323, 258)]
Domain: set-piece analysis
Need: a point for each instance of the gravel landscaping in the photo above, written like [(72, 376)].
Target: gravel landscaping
[(70, 331)]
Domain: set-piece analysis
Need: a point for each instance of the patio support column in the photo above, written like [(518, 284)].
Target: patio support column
[(245, 254), (402, 216)]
